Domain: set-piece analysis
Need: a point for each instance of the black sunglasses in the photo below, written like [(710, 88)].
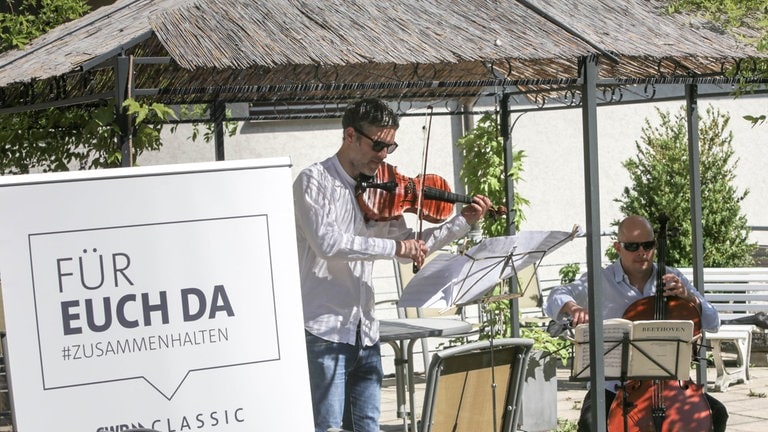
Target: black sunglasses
[(377, 145), (634, 246)]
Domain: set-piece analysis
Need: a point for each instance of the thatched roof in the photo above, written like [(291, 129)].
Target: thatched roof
[(276, 33), (301, 50)]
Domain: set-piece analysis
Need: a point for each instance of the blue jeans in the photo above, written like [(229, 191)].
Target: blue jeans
[(345, 381)]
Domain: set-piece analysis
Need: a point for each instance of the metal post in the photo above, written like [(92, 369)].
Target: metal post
[(218, 115), (123, 70), (514, 305), (697, 240), (592, 199)]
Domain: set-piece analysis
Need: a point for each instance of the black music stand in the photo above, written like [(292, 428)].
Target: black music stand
[(461, 279), (639, 359)]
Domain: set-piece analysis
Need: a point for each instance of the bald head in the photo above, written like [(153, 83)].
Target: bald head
[(635, 227), (636, 248)]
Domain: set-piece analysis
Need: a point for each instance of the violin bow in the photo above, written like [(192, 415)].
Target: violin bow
[(420, 201)]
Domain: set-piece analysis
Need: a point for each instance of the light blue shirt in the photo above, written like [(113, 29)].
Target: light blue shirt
[(337, 249), (618, 294)]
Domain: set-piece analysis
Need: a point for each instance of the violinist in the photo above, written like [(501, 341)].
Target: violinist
[(628, 279), (337, 246)]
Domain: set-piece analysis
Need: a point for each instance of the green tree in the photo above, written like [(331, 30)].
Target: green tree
[(25, 20), (747, 19), (660, 183), (83, 136), (483, 171), (59, 139), (53, 139)]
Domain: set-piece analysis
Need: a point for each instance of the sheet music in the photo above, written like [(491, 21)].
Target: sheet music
[(614, 330), (657, 348), (450, 280)]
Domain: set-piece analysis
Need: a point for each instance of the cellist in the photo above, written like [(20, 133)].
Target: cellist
[(337, 246), (631, 277)]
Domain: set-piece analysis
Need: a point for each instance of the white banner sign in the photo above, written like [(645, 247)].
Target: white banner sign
[(161, 297)]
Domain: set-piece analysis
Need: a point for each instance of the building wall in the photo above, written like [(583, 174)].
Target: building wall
[(554, 168)]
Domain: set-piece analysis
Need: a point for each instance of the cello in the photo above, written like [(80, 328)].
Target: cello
[(661, 405)]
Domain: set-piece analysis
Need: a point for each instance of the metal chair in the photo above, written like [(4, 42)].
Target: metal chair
[(476, 387)]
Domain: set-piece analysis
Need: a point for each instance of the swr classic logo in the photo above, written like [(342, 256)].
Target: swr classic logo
[(210, 419)]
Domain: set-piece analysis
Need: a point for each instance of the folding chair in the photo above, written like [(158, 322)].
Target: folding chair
[(476, 387)]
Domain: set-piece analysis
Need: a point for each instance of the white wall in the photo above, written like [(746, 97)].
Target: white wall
[(554, 170), (308, 141), (554, 179)]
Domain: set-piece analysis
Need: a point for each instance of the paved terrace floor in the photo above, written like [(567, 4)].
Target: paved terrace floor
[(747, 403)]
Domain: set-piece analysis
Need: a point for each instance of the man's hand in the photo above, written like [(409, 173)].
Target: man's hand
[(415, 250), (475, 211), (578, 314), (673, 286)]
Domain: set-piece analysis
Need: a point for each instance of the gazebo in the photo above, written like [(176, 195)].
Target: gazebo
[(292, 59)]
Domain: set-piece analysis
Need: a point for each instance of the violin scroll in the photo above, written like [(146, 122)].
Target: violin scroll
[(496, 213)]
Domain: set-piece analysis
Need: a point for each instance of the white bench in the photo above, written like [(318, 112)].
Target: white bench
[(741, 338), (735, 293)]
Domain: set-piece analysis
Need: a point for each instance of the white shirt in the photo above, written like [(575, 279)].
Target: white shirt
[(337, 249)]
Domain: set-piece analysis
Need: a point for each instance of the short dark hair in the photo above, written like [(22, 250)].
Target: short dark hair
[(374, 112)]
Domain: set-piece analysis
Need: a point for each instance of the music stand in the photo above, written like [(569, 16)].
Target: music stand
[(640, 358), (458, 280), (665, 368)]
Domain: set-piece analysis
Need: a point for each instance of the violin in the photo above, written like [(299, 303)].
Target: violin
[(388, 194), (661, 405)]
